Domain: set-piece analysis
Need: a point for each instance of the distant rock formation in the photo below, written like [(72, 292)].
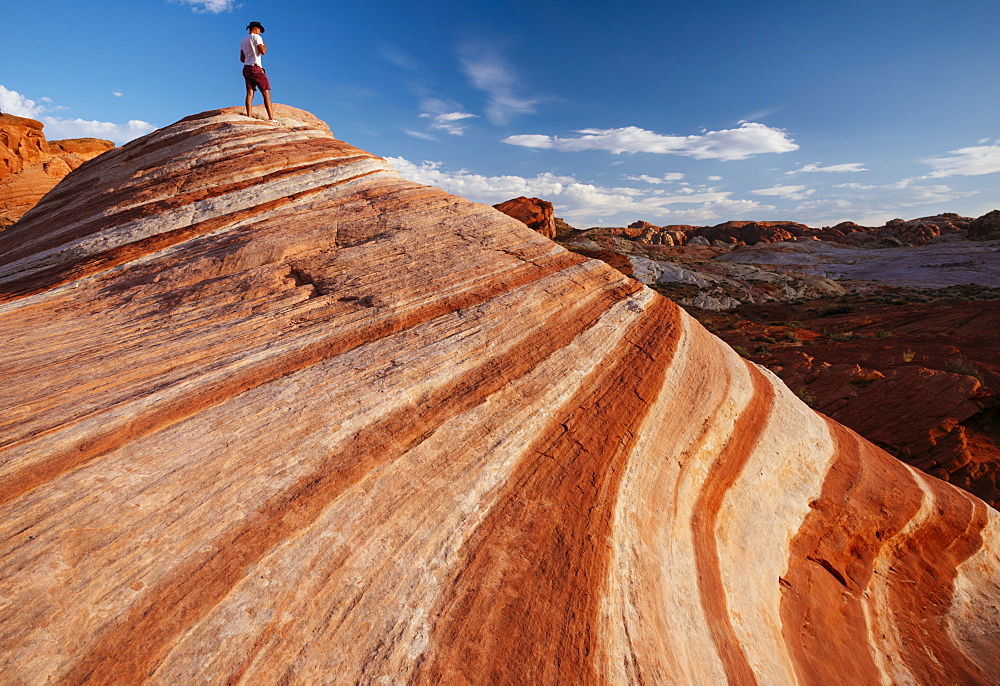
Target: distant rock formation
[(897, 232), (274, 414), (21, 143), (752, 233), (563, 230), (30, 166), (534, 212), (986, 228)]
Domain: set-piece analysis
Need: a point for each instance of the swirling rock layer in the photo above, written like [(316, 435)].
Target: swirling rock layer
[(275, 415)]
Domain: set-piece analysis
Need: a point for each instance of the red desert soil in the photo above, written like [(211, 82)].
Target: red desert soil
[(920, 380)]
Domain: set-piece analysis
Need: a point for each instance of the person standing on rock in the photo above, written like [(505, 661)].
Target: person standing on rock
[(251, 49)]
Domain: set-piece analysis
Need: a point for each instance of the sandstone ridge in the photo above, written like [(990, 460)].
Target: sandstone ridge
[(30, 166), (274, 414)]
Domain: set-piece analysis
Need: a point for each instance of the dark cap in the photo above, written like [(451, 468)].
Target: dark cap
[(255, 25)]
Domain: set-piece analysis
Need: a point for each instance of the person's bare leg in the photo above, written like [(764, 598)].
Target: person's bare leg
[(267, 104), (249, 101)]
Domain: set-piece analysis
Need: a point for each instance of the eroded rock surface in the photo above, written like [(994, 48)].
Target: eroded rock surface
[(534, 212), (30, 166), (986, 228), (274, 414)]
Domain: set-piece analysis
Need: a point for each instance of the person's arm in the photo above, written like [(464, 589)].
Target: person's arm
[(262, 49), (242, 57)]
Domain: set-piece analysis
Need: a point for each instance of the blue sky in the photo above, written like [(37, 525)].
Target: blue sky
[(672, 112)]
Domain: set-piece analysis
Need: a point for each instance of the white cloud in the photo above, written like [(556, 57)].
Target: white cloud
[(397, 57), (786, 192), (419, 134), (729, 144), (873, 205), (14, 103), (117, 94), (894, 186), (493, 76), (761, 114), (210, 6), (445, 115), (447, 121), (714, 178), (831, 168), (666, 178), (56, 128), (578, 201), (973, 161)]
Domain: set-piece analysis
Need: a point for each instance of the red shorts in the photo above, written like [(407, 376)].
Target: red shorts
[(255, 78)]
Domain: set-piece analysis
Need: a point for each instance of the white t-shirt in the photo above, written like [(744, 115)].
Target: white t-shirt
[(251, 51)]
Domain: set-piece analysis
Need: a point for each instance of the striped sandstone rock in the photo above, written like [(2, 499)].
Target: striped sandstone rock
[(273, 414), (30, 166)]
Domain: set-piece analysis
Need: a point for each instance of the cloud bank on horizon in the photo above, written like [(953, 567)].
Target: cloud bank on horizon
[(578, 201), (587, 204), (12, 102)]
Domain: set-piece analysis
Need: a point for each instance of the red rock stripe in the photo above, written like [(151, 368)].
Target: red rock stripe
[(923, 571), (178, 409), (140, 188), (41, 281), (749, 427), (523, 607), (152, 208), (199, 583), (867, 497)]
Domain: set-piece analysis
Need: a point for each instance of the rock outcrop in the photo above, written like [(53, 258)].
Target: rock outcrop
[(897, 232), (536, 213), (986, 228), (30, 166), (274, 414), (21, 143)]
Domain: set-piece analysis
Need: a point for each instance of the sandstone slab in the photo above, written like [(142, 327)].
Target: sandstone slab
[(273, 414)]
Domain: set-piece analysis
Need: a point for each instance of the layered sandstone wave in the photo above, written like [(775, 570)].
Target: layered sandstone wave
[(273, 414), (30, 166)]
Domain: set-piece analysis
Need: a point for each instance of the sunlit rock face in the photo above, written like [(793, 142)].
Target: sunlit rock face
[(535, 213), (273, 414), (30, 166)]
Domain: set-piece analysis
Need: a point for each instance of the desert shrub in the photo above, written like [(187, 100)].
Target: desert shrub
[(959, 365), (883, 333), (741, 351), (908, 355), (806, 396), (831, 310), (789, 336), (842, 336), (762, 350)]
